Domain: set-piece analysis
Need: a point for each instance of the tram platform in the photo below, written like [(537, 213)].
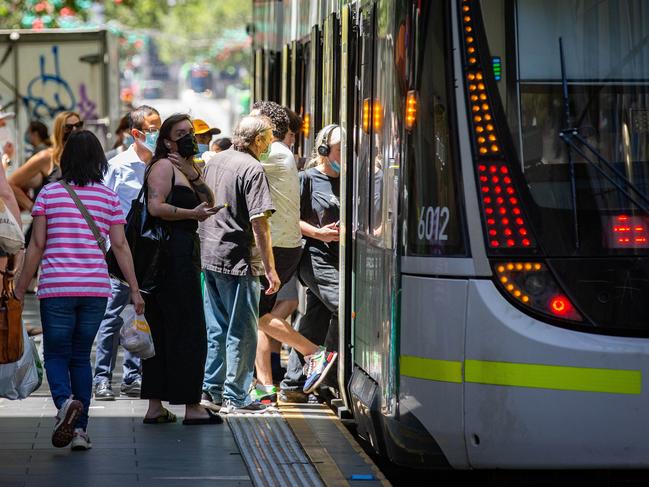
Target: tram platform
[(301, 444)]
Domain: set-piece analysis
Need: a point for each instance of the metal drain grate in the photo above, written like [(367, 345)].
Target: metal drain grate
[(272, 453)]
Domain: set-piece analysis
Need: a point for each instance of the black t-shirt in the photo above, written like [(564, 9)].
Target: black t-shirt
[(319, 206), (227, 240)]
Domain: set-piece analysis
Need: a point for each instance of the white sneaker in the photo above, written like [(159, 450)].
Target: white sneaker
[(81, 440), (66, 419), (254, 407)]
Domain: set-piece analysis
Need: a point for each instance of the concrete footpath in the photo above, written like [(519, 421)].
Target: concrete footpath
[(125, 452)]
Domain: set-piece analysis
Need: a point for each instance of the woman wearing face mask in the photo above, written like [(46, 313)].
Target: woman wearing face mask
[(177, 195), (44, 167), (318, 270)]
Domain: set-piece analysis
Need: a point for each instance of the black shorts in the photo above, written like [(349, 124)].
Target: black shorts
[(286, 263)]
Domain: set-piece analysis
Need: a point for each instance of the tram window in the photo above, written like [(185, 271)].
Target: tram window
[(606, 65), (272, 67), (364, 131), (259, 75), (305, 102), (385, 139), (435, 220)]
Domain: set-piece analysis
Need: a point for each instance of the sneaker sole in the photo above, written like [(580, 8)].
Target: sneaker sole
[(63, 434), (81, 447), (322, 375), (211, 406), (99, 398), (135, 395), (246, 411), (270, 400), (268, 409)]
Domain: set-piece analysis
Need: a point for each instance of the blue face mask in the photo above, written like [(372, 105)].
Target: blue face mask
[(335, 166), (203, 148), (128, 140), (150, 141)]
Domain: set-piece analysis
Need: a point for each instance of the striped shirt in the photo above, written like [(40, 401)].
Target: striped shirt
[(73, 264)]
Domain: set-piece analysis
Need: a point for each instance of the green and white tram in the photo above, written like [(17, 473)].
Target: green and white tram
[(495, 223)]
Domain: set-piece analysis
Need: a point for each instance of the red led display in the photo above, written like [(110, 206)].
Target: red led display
[(506, 211), (627, 232)]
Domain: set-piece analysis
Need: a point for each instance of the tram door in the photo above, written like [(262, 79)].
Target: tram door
[(374, 211)]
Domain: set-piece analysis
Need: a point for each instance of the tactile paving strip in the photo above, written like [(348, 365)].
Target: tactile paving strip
[(272, 452)]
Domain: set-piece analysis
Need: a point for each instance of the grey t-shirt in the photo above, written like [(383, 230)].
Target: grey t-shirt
[(320, 206), (227, 241)]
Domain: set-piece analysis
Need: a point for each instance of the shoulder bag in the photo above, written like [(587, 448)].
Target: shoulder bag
[(145, 235), (11, 328), (12, 239)]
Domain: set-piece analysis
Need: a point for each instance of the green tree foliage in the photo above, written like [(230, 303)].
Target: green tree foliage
[(185, 30), (194, 28)]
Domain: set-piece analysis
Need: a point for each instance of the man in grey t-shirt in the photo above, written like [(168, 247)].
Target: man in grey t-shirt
[(236, 249)]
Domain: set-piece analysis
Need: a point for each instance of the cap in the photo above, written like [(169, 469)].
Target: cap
[(200, 127), (5, 115)]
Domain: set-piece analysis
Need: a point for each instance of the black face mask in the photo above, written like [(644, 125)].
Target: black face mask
[(187, 145)]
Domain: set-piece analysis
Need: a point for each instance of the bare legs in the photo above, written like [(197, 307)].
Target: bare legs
[(272, 326)]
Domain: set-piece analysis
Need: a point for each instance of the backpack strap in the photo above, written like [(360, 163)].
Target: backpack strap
[(101, 241)]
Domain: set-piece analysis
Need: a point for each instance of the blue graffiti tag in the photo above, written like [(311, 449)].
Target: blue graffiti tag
[(86, 107), (60, 97)]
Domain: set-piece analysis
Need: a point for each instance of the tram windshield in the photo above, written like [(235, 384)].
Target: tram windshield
[(606, 49)]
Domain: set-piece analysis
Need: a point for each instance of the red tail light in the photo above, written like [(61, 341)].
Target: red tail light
[(506, 225), (561, 306)]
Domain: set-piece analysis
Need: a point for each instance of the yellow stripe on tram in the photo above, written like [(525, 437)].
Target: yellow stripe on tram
[(425, 368), (564, 378), (554, 377)]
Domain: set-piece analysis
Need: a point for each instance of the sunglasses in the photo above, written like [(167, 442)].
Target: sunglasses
[(69, 127)]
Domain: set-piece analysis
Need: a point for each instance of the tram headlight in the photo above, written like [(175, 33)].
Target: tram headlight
[(535, 283), (531, 284)]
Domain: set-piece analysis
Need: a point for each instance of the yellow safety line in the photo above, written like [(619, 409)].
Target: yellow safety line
[(319, 456), (354, 444), (565, 378)]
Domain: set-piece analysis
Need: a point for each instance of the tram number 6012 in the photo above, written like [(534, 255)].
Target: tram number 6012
[(432, 223)]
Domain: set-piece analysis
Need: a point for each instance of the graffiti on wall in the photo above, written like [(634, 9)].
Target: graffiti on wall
[(50, 93)]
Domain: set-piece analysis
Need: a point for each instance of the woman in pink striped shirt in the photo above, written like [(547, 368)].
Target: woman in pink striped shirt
[(74, 283)]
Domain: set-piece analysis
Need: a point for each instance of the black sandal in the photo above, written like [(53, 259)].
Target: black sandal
[(166, 417), (211, 419)]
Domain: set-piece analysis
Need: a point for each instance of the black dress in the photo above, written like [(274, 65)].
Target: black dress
[(175, 315)]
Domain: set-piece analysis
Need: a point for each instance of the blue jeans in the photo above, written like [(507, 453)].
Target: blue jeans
[(69, 328), (231, 305), (108, 339)]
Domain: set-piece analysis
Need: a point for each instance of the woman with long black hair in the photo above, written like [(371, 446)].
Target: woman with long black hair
[(178, 196)]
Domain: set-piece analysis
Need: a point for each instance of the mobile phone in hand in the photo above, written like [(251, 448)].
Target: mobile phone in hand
[(217, 208)]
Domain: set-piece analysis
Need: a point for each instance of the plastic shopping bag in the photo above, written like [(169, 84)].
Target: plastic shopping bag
[(11, 236), (135, 335), (19, 379)]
